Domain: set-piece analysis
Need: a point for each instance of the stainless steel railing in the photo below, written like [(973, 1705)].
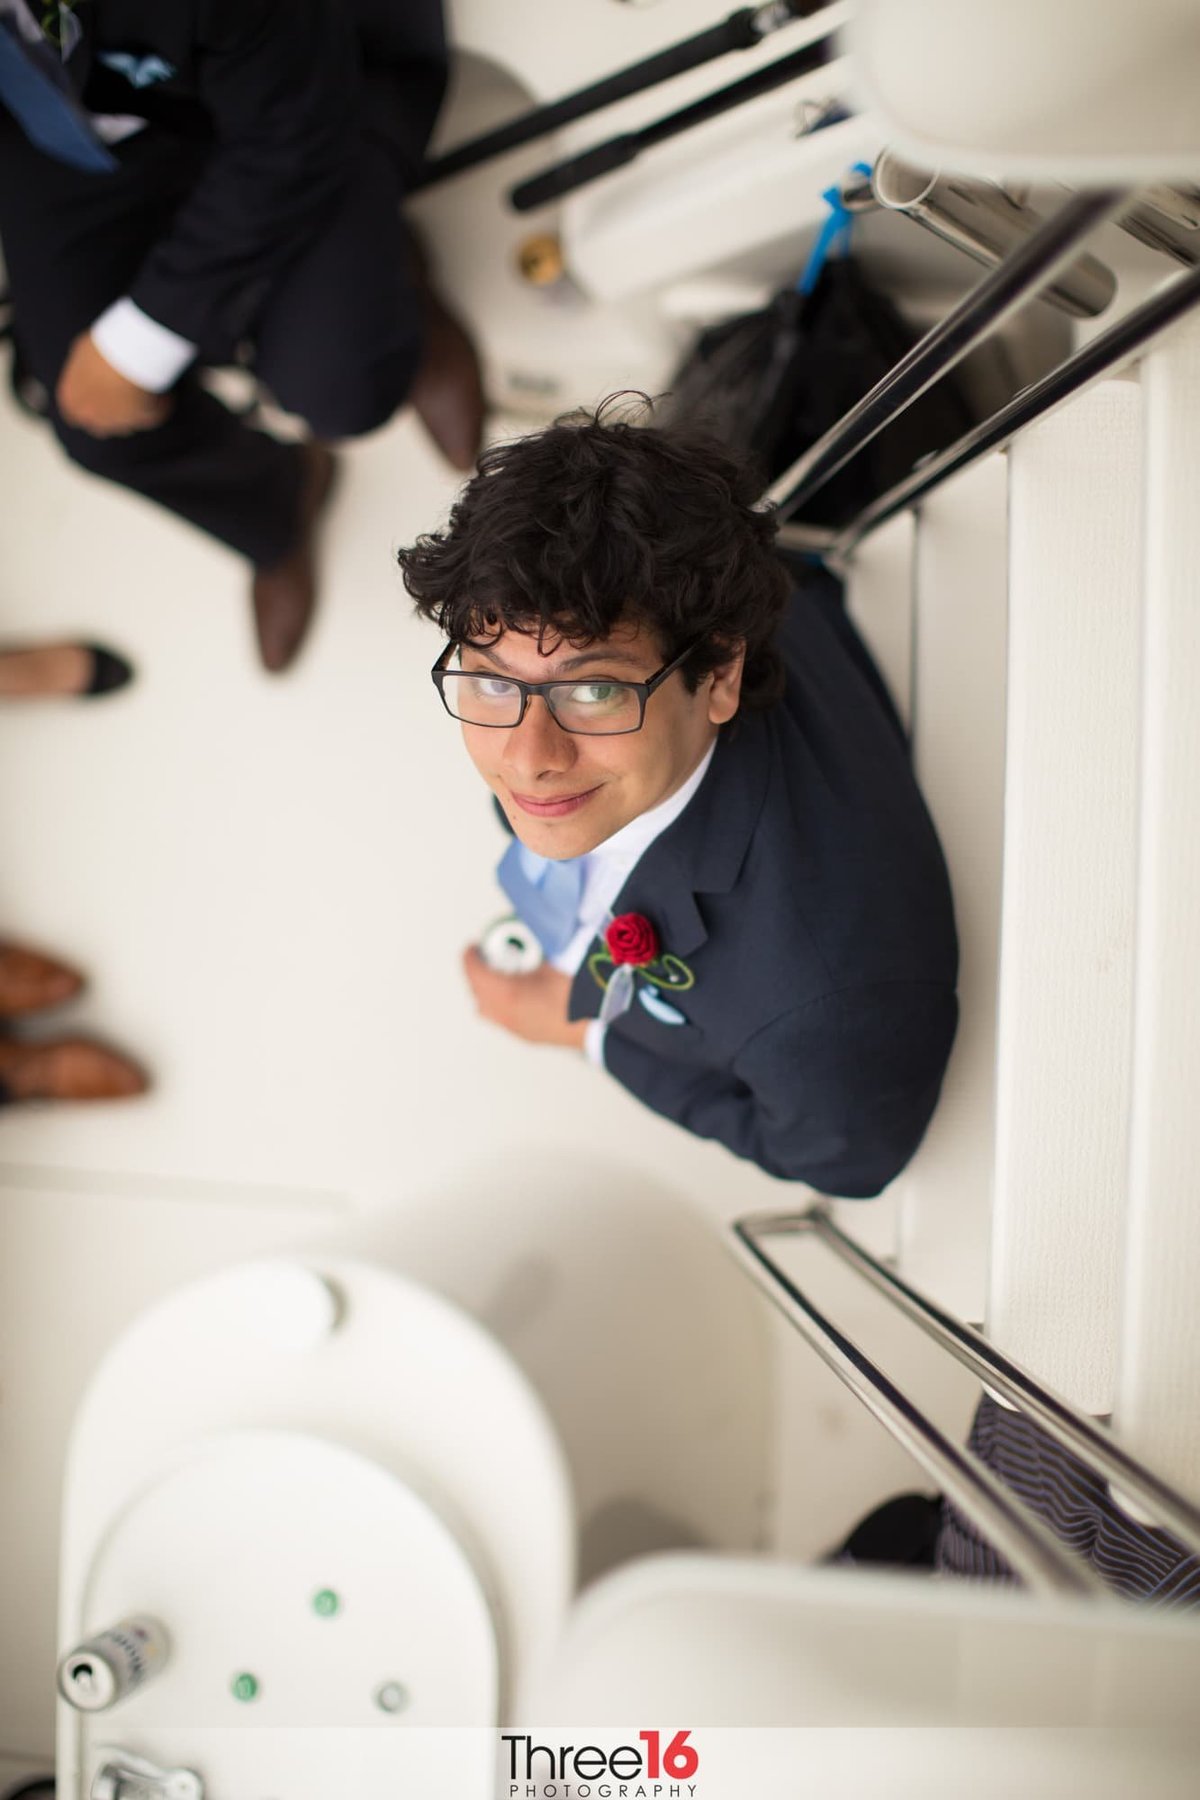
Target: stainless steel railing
[(1105, 352), (1017, 1533), (1057, 1417), (987, 223), (1034, 264), (1046, 259)]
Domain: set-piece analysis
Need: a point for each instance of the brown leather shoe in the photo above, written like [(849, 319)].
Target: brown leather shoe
[(448, 390), (285, 595), (74, 1068), (30, 981)]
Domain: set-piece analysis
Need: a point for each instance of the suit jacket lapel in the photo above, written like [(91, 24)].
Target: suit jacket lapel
[(702, 852)]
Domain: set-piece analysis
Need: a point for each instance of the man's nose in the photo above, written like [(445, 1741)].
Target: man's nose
[(538, 745)]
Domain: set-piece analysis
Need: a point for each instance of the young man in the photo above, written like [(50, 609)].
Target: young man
[(180, 179), (681, 743)]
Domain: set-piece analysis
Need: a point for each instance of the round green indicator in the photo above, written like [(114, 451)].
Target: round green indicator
[(326, 1603), (245, 1687)]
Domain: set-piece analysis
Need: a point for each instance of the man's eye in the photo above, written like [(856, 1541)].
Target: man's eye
[(491, 687), (596, 693)]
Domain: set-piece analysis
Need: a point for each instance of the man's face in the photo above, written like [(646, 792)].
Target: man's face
[(563, 793)]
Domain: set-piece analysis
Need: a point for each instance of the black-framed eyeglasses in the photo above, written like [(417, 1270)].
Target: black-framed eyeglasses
[(588, 705)]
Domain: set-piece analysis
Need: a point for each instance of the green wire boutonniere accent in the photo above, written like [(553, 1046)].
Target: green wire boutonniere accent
[(52, 18), (632, 949)]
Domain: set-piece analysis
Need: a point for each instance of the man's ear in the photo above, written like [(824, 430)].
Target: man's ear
[(725, 691)]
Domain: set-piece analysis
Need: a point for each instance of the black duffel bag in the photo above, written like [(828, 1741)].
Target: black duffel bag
[(770, 383)]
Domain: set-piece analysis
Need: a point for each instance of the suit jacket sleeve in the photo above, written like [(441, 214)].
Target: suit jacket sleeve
[(279, 79), (836, 1093)]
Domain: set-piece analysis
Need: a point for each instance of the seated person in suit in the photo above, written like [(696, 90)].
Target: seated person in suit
[(685, 744), (186, 181)]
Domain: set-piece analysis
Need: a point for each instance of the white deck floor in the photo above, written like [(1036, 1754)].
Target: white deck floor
[(269, 882)]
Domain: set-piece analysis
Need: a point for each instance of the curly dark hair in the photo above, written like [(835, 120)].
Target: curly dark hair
[(603, 519)]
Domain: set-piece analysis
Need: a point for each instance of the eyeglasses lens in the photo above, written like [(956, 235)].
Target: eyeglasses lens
[(482, 699), (591, 708)]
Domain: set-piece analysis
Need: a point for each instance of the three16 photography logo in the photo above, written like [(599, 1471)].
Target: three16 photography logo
[(661, 1765)]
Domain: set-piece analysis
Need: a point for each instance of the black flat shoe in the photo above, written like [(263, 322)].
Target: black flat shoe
[(109, 672)]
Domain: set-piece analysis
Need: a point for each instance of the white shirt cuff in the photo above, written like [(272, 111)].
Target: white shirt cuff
[(593, 1043), (138, 347)]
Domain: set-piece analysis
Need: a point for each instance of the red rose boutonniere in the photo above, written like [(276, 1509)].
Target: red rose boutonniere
[(632, 939), (631, 950)]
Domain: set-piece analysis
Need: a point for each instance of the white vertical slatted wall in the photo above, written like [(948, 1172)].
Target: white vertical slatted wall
[(958, 751), (1070, 856), (1158, 1410)]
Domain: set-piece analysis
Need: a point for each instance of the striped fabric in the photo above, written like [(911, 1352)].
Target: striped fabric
[(1134, 1560)]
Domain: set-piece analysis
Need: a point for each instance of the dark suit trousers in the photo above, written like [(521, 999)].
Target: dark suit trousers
[(336, 335), (1141, 1563)]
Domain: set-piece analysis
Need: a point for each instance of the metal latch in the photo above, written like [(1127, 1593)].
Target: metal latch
[(123, 1776)]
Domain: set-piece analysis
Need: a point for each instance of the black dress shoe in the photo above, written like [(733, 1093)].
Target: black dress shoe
[(902, 1533)]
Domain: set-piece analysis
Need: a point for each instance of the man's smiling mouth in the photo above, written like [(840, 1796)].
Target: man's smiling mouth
[(556, 806)]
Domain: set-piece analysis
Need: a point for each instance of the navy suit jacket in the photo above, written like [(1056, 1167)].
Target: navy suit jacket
[(804, 888), (273, 97)]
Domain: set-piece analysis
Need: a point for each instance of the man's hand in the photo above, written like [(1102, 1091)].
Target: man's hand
[(533, 1007), (97, 398)]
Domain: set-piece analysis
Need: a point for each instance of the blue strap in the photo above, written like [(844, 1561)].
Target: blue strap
[(834, 233)]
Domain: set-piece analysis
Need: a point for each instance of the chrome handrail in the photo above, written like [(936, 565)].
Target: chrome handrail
[(1030, 267), (985, 222), (1167, 219), (1018, 1534), (1106, 351), (1165, 1507), (1057, 1417)]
